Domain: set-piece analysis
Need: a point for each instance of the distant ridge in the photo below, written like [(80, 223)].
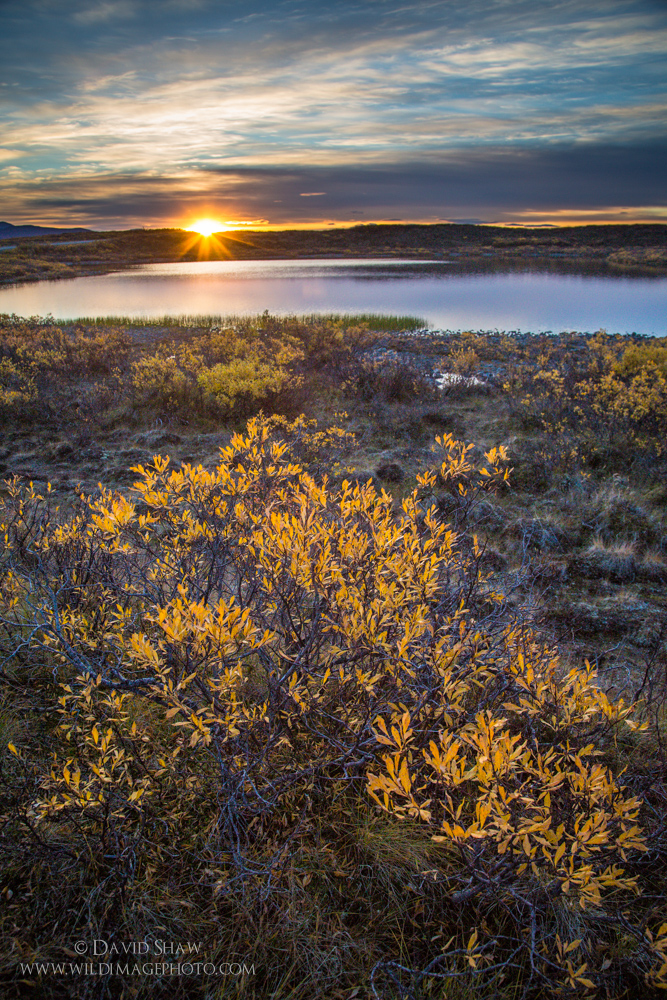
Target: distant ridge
[(11, 232)]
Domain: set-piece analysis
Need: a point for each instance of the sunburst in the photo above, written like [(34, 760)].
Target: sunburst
[(210, 239), (206, 227)]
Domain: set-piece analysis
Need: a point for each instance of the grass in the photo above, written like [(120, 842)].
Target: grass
[(375, 321)]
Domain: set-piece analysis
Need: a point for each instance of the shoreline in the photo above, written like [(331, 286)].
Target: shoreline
[(629, 249)]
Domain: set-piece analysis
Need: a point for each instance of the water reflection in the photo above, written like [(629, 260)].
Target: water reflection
[(449, 294)]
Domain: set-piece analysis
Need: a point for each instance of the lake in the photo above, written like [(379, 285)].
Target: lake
[(448, 295)]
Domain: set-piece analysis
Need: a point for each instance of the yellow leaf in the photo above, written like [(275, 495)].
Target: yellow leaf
[(404, 776)]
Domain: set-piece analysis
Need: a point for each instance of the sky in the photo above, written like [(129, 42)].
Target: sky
[(118, 114)]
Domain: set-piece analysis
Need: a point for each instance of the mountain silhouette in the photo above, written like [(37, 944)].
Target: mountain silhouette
[(11, 232)]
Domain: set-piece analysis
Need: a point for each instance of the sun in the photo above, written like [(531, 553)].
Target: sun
[(206, 227)]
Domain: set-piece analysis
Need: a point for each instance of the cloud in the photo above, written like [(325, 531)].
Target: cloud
[(99, 13), (10, 154), (106, 89), (572, 182)]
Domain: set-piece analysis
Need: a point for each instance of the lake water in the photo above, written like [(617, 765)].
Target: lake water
[(448, 295)]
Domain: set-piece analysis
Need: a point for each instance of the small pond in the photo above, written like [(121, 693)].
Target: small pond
[(447, 294)]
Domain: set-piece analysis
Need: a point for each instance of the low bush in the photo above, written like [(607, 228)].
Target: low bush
[(384, 377), (163, 382), (607, 401), (17, 387), (252, 690), (221, 372), (242, 384), (638, 356)]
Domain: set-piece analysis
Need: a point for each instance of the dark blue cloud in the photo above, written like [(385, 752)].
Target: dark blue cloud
[(500, 186)]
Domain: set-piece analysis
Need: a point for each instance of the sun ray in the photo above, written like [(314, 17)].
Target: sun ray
[(207, 247)]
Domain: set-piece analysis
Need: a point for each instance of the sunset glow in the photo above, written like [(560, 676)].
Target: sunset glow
[(206, 227)]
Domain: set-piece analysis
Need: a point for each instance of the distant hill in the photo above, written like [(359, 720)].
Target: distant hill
[(641, 247), (10, 232)]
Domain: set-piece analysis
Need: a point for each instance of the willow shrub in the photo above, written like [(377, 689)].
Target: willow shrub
[(611, 397), (17, 387), (222, 372), (37, 360), (229, 647), (40, 347)]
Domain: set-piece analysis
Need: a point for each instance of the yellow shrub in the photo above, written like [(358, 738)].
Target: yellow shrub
[(639, 356), (245, 379), (160, 380), (616, 395), (227, 641), (17, 387)]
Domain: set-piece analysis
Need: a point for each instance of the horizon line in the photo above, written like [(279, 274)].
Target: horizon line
[(328, 227)]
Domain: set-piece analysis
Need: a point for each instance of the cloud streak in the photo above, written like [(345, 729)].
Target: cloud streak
[(500, 87)]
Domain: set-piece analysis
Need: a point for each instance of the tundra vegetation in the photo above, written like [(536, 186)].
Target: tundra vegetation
[(293, 670)]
